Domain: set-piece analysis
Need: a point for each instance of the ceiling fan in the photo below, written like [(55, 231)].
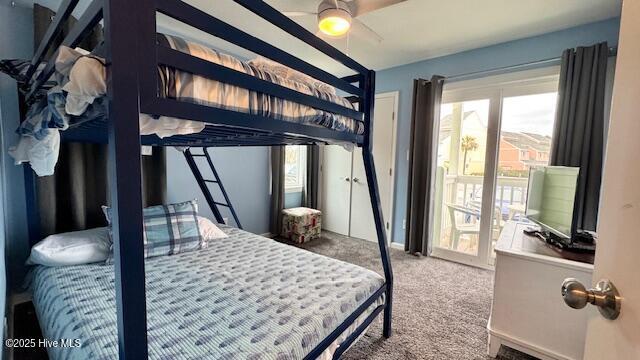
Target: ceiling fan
[(338, 18)]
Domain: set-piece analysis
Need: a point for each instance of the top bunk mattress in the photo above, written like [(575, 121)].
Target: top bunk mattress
[(80, 88), (78, 96), (243, 297)]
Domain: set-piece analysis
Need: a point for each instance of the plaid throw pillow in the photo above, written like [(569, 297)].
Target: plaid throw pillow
[(168, 229)]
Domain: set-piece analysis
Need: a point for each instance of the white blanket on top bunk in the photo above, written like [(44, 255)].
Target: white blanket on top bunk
[(84, 82), (79, 96), (87, 82)]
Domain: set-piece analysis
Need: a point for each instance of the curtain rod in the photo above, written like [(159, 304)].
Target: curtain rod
[(512, 68)]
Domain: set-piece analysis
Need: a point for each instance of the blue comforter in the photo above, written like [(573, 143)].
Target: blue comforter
[(243, 297)]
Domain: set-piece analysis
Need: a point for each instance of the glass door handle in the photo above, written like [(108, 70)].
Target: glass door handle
[(605, 296)]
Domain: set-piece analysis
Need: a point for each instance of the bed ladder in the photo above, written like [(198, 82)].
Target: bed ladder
[(204, 185)]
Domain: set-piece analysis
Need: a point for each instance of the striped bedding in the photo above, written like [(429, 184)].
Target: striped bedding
[(81, 87), (197, 89), (79, 96), (243, 297)]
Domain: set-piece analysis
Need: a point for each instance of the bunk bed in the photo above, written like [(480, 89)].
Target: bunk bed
[(133, 55)]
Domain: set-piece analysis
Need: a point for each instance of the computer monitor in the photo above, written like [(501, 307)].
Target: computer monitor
[(551, 199)]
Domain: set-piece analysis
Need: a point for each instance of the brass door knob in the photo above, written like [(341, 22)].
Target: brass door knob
[(605, 296)]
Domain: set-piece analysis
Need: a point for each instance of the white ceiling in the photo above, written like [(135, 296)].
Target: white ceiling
[(413, 30)]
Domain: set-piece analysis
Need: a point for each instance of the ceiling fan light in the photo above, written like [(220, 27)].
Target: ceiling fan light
[(334, 22)]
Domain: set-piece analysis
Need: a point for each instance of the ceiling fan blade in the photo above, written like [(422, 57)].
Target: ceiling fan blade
[(359, 7), (358, 28), (299, 13)]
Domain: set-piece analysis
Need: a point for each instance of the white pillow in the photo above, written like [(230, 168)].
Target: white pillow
[(209, 230), (72, 248)]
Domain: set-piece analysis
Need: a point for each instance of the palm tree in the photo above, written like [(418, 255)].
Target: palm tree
[(469, 143)]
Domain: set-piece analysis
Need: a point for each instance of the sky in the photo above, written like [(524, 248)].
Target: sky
[(529, 113)]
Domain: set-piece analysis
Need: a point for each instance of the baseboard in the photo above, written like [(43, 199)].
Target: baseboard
[(268, 235), (397, 246), (526, 347)]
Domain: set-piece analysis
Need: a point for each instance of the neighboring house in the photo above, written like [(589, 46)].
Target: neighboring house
[(520, 151)]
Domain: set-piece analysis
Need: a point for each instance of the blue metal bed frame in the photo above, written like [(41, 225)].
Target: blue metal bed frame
[(133, 56)]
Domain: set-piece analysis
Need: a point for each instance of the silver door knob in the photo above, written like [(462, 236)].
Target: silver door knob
[(355, 180), (605, 296)]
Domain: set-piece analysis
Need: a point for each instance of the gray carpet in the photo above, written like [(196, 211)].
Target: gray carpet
[(440, 308)]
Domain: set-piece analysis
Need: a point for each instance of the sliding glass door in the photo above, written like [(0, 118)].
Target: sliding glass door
[(491, 132), (462, 148), (526, 128)]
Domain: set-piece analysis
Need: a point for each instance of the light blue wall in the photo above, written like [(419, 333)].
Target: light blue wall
[(244, 171), (245, 174), (511, 53), (16, 41)]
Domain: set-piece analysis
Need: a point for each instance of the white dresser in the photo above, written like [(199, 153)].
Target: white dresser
[(528, 313)]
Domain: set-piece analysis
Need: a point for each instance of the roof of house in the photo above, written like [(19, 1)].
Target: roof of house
[(527, 141)]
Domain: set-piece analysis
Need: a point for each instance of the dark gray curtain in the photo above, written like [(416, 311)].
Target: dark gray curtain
[(277, 189), (71, 199), (425, 120), (310, 193), (578, 137)]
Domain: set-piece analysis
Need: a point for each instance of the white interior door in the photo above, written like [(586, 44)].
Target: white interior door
[(618, 242), (362, 224), (346, 203), (336, 192)]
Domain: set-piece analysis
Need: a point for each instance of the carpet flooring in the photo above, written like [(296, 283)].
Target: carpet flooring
[(440, 308)]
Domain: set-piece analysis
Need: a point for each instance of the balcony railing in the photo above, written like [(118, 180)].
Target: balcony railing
[(465, 191)]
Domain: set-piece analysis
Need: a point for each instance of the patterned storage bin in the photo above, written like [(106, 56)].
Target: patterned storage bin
[(301, 224)]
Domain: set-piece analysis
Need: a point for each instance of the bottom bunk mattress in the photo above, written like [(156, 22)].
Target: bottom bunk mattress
[(241, 297)]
